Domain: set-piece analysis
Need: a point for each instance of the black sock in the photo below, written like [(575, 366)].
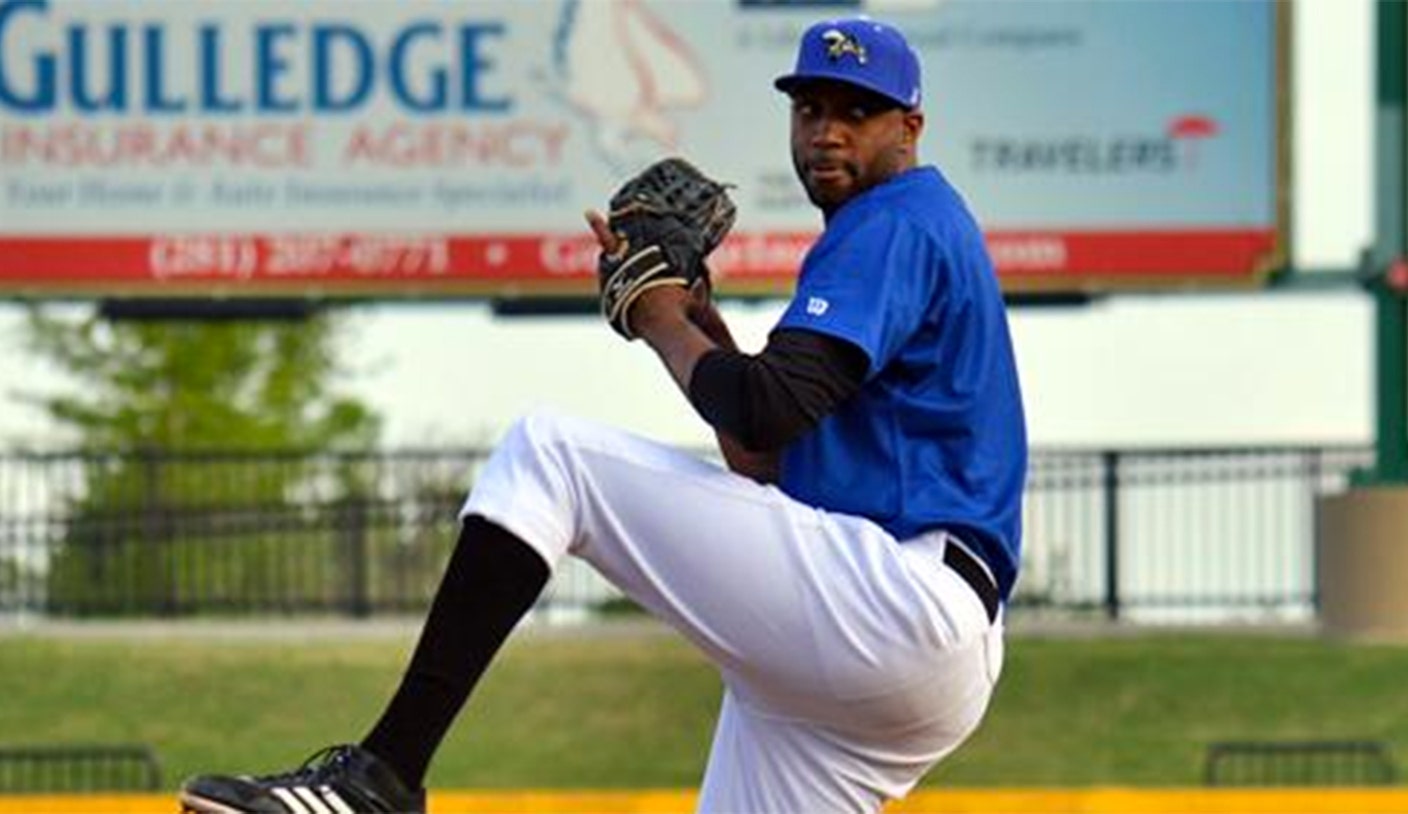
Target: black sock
[(492, 580)]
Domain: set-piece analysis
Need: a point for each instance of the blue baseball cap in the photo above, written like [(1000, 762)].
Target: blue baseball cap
[(861, 52)]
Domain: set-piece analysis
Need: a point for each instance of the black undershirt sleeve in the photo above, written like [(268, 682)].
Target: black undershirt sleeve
[(769, 399)]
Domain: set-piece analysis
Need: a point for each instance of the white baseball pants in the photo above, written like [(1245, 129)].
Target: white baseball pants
[(852, 662)]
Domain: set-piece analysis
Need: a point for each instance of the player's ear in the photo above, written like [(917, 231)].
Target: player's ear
[(913, 127)]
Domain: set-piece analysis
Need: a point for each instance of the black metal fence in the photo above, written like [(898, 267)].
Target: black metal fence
[(46, 769), (1300, 763), (1179, 534), (1154, 534)]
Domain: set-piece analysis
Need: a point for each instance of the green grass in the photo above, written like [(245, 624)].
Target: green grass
[(1141, 711), (638, 711)]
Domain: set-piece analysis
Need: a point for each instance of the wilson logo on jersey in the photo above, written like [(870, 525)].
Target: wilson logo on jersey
[(303, 800), (816, 306)]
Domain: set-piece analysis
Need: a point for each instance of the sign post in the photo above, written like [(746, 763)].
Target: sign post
[(1391, 253), (1362, 546)]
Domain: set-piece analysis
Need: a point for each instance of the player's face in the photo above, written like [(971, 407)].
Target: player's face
[(846, 140)]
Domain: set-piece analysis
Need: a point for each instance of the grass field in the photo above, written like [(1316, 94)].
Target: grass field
[(637, 711)]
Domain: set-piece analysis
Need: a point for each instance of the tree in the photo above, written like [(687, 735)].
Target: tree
[(191, 385), (163, 521)]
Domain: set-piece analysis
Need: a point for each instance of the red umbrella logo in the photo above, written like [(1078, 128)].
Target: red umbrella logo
[(1191, 129)]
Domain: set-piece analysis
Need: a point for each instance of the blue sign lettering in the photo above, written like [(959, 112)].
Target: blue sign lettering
[(399, 84), (154, 71), (324, 39), (211, 101), (474, 66), (426, 66), (80, 76), (270, 66), (41, 97)]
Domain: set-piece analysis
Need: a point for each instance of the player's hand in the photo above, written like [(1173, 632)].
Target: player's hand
[(610, 241), (660, 226), (652, 303)]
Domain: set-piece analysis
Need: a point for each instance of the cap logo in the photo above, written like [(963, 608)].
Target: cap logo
[(839, 43)]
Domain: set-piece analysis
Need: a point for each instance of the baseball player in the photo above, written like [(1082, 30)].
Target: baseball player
[(847, 571)]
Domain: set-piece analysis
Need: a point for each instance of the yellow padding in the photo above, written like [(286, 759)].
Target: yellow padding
[(974, 801), (1155, 801), (88, 804)]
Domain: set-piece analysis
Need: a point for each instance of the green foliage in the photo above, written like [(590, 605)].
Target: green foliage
[(226, 552), (160, 520), (185, 385)]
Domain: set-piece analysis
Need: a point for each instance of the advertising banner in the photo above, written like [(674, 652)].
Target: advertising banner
[(446, 148)]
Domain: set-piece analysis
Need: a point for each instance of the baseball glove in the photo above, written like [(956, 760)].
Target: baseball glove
[(667, 219)]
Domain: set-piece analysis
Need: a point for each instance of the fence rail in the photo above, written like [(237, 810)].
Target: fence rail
[(1142, 534), (1300, 763), (46, 769)]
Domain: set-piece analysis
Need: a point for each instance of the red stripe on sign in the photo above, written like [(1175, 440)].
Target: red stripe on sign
[(40, 260), (509, 264), (1202, 254)]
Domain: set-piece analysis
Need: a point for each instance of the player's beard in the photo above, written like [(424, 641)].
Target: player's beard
[(829, 182)]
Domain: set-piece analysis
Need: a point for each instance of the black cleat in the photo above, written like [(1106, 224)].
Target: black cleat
[(338, 780)]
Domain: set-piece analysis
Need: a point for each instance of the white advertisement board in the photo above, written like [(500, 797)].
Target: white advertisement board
[(449, 147)]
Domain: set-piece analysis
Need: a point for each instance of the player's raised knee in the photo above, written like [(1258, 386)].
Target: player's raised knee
[(541, 426)]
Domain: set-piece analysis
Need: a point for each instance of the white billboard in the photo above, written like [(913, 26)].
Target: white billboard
[(449, 147)]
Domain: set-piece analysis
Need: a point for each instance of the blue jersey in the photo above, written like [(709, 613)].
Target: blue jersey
[(936, 435)]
